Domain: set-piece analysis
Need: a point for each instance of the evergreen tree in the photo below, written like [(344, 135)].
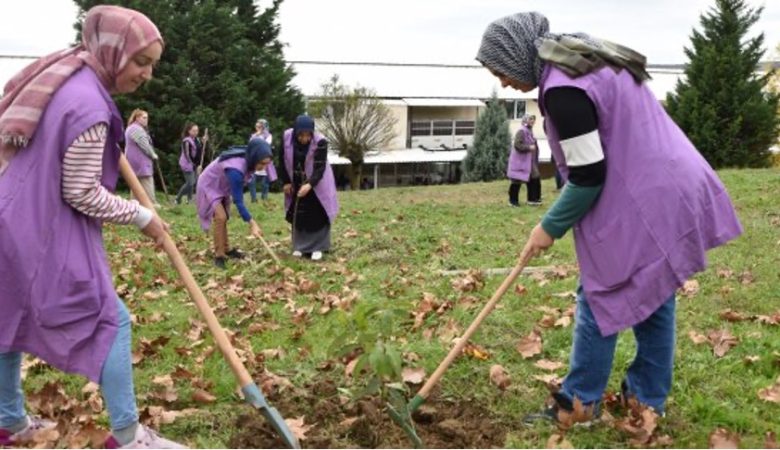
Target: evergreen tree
[(723, 104), (486, 160), (222, 68)]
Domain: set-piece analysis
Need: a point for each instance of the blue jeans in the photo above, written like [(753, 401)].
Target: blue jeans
[(264, 185), (649, 377), (116, 381)]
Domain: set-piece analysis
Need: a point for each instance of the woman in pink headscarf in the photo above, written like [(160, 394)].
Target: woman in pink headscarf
[(59, 158)]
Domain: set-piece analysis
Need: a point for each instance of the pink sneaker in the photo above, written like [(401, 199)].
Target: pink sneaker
[(34, 425), (145, 437)]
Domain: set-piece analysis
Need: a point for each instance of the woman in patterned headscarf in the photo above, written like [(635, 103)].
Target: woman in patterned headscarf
[(60, 132), (644, 205)]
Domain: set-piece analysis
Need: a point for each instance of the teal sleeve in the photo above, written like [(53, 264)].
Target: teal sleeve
[(573, 203)]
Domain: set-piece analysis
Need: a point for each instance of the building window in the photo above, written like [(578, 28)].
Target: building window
[(442, 128), (515, 109), (421, 128), (464, 127)]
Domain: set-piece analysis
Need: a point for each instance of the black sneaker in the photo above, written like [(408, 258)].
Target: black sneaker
[(235, 253), (219, 261)]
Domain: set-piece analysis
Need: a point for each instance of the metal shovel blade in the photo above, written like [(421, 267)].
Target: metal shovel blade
[(255, 398)]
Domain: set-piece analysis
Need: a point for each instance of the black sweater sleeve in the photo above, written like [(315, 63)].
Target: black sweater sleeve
[(320, 160), (573, 114)]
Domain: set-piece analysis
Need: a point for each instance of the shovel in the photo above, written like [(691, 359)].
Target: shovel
[(402, 415), (252, 393)]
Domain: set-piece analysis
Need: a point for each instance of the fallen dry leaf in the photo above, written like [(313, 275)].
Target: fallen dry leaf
[(474, 280), (770, 440), (558, 441), (771, 394), (732, 316), (697, 338), (202, 396), (499, 377), (722, 341), (476, 352), (413, 376), (520, 289), (723, 438), (530, 345), (690, 288), (298, 428), (579, 414), (545, 364), (746, 277)]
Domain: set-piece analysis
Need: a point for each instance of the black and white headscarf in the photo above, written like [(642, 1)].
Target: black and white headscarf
[(518, 46)]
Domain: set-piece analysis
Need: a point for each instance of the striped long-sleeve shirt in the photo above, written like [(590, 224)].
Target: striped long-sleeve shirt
[(141, 137), (82, 170)]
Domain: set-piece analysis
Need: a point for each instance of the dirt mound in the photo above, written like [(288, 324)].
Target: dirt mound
[(365, 423)]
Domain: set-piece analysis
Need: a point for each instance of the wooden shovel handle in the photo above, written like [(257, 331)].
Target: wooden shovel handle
[(196, 294), (486, 310)]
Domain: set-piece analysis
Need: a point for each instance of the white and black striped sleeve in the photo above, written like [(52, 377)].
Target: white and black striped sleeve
[(574, 117)]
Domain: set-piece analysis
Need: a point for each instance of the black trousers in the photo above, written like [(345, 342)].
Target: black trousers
[(534, 191)]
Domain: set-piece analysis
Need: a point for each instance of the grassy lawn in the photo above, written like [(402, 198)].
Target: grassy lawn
[(390, 247)]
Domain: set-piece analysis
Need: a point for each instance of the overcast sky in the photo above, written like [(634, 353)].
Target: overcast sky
[(435, 31)]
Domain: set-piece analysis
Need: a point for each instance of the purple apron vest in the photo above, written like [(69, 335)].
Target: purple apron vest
[(141, 164), (519, 165), (325, 189), (662, 206), (57, 296), (213, 187), (187, 166)]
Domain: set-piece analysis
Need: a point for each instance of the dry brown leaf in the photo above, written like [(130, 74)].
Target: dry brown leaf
[(579, 414), (732, 316), (520, 289), (90, 388), (499, 377), (530, 345), (413, 375), (475, 351), (723, 438), (690, 288), (547, 321), (163, 380), (549, 379), (545, 364), (722, 341), (771, 394), (558, 441), (563, 322), (770, 440), (203, 396), (746, 277), (46, 438), (298, 428), (474, 280), (697, 338)]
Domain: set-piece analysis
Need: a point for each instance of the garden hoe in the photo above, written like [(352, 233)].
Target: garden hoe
[(402, 413), (252, 393)]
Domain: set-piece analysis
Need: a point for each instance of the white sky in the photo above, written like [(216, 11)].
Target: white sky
[(419, 31)]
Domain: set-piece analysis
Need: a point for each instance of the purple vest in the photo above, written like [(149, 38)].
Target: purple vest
[(57, 297), (519, 165), (213, 187), (325, 189), (141, 164), (188, 143), (662, 206)]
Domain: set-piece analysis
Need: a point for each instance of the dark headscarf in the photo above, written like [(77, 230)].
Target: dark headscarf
[(254, 152), (518, 46), (302, 123)]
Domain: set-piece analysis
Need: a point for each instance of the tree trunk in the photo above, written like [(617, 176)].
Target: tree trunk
[(355, 175)]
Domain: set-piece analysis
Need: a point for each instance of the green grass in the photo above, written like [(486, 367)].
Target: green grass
[(396, 241)]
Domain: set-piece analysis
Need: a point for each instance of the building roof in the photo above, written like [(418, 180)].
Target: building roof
[(435, 81)]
